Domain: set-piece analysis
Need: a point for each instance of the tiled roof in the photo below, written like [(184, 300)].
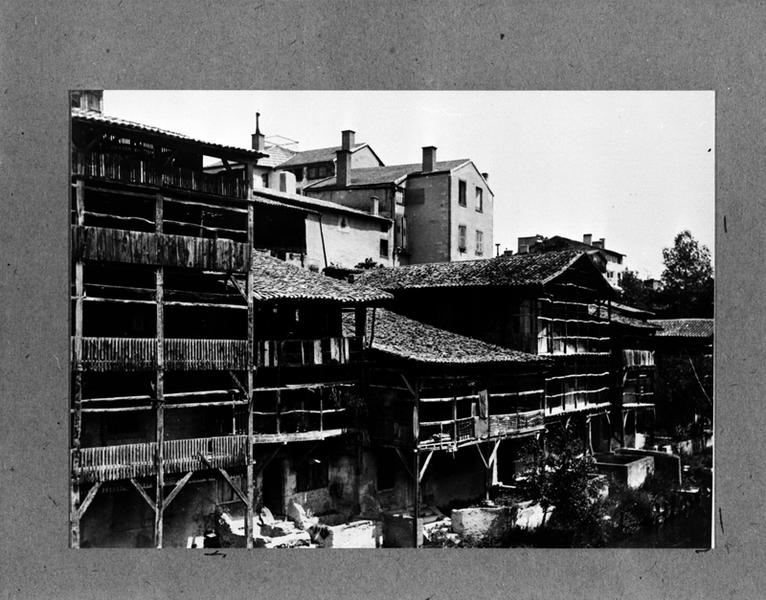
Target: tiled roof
[(274, 279), (314, 204), (95, 117), (315, 156), (386, 175), (690, 328), (502, 271), (276, 156), (405, 338), (557, 242)]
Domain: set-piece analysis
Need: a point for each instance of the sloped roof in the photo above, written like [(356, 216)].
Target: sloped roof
[(502, 271), (276, 155), (557, 242), (390, 174), (317, 155), (313, 204), (274, 279), (96, 117), (406, 338), (688, 328)]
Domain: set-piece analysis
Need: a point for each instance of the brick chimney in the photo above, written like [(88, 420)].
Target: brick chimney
[(258, 141), (429, 159), (485, 176), (587, 239), (347, 138), (343, 159)]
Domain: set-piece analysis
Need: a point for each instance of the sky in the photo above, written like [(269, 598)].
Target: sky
[(633, 167)]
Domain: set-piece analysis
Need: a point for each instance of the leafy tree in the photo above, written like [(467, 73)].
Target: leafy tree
[(687, 278), (635, 293), (563, 479)]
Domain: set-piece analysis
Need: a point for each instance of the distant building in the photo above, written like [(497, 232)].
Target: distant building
[(442, 211), (609, 261), (310, 166)]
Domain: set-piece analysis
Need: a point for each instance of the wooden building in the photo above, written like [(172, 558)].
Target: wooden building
[(536, 303), (197, 363), (439, 408)]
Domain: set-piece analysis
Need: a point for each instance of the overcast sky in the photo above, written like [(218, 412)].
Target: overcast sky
[(632, 167)]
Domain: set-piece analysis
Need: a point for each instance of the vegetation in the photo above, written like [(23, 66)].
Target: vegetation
[(687, 282)]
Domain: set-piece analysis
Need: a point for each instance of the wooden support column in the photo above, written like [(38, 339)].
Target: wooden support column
[(416, 541), (250, 366), (159, 457), (76, 431)]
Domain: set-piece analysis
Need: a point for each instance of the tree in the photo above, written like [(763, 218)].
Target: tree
[(635, 292), (687, 279)]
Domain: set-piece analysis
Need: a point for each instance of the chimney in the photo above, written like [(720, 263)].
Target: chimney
[(587, 239), (429, 158), (343, 168), (375, 205), (347, 138), (485, 176), (602, 241), (258, 142)]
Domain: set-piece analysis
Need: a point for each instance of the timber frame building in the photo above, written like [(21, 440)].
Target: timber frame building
[(194, 357)]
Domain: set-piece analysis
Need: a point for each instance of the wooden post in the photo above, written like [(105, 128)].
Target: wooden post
[(160, 408), (276, 409), (74, 534), (416, 542), (454, 420), (250, 374)]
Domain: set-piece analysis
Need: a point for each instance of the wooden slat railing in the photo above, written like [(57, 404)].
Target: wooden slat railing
[(103, 244), (273, 353), (109, 463), (139, 354), (637, 358), (501, 425), (195, 355), (115, 166)]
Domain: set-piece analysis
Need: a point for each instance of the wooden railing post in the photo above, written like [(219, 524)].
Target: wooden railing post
[(250, 374), (76, 431)]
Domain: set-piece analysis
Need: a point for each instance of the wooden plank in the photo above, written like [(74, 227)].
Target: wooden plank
[(425, 466), (249, 479), (88, 499), (160, 399), (143, 494), (75, 475), (178, 487)]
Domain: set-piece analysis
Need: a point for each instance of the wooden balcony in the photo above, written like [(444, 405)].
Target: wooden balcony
[(114, 166), (100, 244), (637, 358), (103, 354), (109, 463), (465, 431), (296, 353)]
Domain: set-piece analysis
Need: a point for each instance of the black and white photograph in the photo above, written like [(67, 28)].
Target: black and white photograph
[(391, 319)]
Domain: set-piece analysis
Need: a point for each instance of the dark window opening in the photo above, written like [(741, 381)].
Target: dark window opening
[(384, 248), (461, 193), (461, 236), (479, 200), (386, 464)]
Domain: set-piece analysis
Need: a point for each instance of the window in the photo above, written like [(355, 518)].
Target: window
[(384, 248), (342, 223), (311, 474), (461, 187), (479, 199), (265, 180), (479, 243), (461, 235)]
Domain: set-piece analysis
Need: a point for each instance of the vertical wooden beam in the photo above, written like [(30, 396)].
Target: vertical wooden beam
[(160, 408), (277, 408), (250, 374), (76, 431), (416, 541)]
